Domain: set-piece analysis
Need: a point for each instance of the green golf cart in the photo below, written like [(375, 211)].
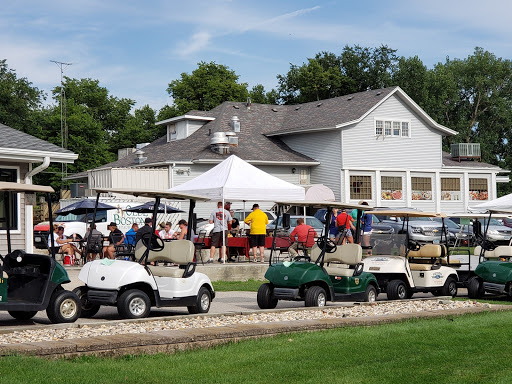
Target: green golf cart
[(325, 272), (32, 282)]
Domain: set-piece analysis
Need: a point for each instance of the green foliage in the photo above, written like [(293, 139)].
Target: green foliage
[(208, 86), (18, 100)]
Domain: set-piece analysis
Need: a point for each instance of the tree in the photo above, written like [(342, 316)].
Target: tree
[(208, 86), (19, 100)]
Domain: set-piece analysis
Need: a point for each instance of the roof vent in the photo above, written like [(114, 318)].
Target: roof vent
[(233, 140), (350, 98), (378, 93), (236, 106), (249, 103), (235, 124), (319, 104), (140, 156), (297, 108), (219, 143), (274, 109)]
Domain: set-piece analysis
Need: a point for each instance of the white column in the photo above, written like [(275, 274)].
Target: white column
[(408, 186), (493, 188), (347, 185), (465, 192), (437, 192), (378, 188), (29, 220)]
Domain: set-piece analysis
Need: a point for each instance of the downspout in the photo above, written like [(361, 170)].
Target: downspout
[(29, 209)]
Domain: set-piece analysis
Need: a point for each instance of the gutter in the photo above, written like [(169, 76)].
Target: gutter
[(29, 209)]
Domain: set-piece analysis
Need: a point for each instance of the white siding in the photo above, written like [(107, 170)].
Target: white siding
[(193, 125), (324, 147), (136, 178), (362, 149), (17, 235)]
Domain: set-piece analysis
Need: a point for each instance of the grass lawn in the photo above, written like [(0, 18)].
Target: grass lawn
[(250, 285), (467, 349)]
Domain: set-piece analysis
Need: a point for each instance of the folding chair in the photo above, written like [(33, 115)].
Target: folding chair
[(308, 244), (199, 245)]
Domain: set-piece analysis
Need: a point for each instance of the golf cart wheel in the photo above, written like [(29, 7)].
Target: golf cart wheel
[(22, 315), (315, 297), (475, 288), (264, 297), (133, 304), (88, 309), (203, 301), (64, 307), (397, 290), (449, 287), (370, 296)]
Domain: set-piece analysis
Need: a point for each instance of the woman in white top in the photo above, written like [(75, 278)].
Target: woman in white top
[(60, 241)]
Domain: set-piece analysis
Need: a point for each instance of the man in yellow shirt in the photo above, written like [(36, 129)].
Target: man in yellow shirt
[(258, 221)]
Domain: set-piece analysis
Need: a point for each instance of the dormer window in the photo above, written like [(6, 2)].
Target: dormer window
[(171, 132)]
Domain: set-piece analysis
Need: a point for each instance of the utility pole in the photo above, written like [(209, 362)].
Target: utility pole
[(63, 120)]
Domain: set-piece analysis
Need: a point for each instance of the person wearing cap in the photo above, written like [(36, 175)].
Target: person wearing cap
[(258, 221), (115, 238), (147, 228)]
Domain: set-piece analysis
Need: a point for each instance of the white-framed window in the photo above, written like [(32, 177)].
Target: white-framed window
[(304, 176), (391, 188), (11, 175), (361, 187), (421, 188), (392, 127), (478, 189), (450, 189)]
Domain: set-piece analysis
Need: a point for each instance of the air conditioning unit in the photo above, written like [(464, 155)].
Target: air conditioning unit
[(78, 189)]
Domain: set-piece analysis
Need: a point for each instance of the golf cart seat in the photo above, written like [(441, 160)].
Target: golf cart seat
[(179, 252), (342, 259), (500, 251), (427, 251)]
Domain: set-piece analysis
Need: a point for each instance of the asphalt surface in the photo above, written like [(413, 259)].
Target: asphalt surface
[(224, 302)]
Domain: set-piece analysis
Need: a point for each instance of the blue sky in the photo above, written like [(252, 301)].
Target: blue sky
[(136, 48)]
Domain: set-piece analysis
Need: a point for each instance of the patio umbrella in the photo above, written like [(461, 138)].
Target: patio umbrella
[(148, 208), (84, 206)]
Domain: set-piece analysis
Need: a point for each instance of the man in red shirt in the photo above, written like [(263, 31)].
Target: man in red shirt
[(344, 225), (301, 231)]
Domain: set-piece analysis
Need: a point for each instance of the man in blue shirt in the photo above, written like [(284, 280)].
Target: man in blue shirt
[(129, 237)]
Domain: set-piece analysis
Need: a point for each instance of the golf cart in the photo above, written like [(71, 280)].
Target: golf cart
[(136, 286), (325, 272), (494, 272), (411, 267), (31, 282)]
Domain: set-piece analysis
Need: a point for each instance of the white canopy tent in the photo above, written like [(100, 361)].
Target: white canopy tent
[(236, 180), (502, 204)]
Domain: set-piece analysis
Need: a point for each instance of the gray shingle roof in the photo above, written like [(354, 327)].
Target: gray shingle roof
[(12, 138), (449, 162)]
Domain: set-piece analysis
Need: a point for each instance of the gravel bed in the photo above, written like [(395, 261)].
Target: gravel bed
[(374, 309)]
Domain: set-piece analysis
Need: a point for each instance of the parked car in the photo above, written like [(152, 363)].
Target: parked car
[(317, 225), (497, 233), (421, 229), (239, 214), (378, 226), (465, 235)]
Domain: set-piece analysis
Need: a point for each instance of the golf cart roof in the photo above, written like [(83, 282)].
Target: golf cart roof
[(18, 187), (480, 215), (324, 204), (406, 213), (152, 193)]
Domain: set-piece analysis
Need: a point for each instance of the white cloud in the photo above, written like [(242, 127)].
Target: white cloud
[(196, 43)]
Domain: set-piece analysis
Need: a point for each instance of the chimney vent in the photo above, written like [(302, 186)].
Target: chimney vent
[(140, 156), (235, 124)]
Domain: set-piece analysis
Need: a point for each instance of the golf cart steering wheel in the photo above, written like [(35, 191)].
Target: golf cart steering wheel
[(156, 244), (330, 246), (413, 245)]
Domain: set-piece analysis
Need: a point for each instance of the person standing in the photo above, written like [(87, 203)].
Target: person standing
[(366, 228), (220, 218), (258, 221), (301, 232), (332, 226), (345, 226)]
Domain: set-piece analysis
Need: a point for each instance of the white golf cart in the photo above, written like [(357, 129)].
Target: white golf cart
[(413, 267), (135, 286)]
